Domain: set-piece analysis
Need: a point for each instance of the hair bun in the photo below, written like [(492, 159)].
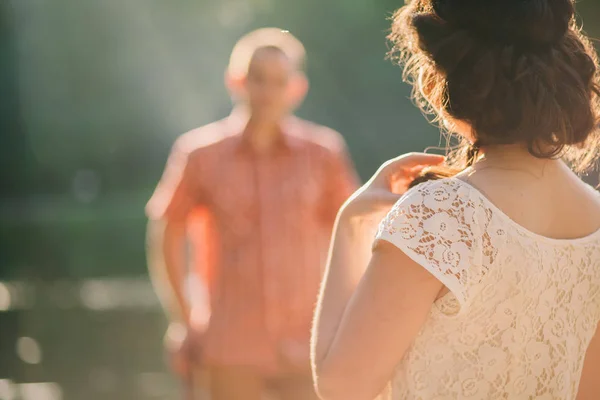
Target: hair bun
[(534, 23)]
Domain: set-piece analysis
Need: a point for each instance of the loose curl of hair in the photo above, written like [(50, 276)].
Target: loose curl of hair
[(517, 71)]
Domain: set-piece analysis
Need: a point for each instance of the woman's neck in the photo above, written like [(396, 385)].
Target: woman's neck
[(514, 158), (509, 154)]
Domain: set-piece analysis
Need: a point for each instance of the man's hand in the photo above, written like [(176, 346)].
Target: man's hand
[(183, 348), (295, 356)]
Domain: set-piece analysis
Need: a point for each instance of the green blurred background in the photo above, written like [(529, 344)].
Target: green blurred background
[(93, 93)]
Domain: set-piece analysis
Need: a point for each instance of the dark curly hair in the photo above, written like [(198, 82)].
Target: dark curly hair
[(517, 71)]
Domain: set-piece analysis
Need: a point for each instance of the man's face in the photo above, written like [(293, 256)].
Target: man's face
[(267, 86)]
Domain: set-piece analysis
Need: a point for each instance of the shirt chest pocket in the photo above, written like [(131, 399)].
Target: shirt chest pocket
[(271, 198), (301, 197), (236, 206)]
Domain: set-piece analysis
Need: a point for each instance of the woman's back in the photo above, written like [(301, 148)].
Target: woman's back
[(525, 299), (510, 231), (543, 196)]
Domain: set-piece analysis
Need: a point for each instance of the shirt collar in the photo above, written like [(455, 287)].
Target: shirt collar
[(238, 119)]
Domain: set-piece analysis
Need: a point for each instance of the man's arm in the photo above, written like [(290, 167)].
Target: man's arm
[(341, 181), (167, 266), (168, 211)]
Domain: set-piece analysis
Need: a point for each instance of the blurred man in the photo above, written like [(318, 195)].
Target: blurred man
[(257, 194)]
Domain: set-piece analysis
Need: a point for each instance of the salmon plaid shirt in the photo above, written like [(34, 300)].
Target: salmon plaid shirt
[(260, 227)]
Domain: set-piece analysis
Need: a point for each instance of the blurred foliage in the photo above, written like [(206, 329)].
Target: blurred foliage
[(95, 92)]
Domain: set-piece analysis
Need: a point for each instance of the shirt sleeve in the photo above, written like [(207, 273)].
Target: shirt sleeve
[(177, 191), (436, 225), (341, 182)]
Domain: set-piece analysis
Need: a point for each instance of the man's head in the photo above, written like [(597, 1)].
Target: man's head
[(266, 73)]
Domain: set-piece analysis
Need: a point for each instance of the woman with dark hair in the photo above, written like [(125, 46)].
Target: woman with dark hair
[(484, 278)]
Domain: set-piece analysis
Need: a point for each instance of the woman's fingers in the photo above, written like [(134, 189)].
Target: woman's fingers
[(383, 198), (405, 167), (411, 160), (406, 164), (406, 173), (390, 182)]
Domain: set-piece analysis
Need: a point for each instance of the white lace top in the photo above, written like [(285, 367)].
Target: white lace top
[(522, 308)]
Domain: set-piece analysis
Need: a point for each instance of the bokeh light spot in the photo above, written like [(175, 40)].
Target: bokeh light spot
[(29, 350)]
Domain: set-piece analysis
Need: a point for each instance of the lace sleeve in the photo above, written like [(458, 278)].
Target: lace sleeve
[(434, 225)]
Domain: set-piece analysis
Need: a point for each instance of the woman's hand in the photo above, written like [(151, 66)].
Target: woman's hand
[(388, 184)]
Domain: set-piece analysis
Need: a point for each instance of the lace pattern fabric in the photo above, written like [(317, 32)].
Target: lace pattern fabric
[(521, 310)]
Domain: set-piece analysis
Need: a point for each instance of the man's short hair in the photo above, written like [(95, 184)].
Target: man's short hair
[(247, 46)]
